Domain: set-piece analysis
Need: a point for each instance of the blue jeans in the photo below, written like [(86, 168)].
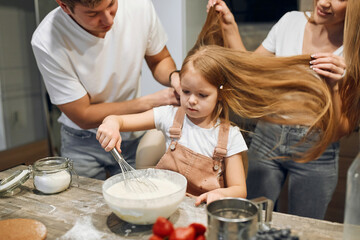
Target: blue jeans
[(90, 159), (311, 185)]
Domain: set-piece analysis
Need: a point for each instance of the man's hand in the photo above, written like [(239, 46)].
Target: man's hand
[(164, 97), (175, 83)]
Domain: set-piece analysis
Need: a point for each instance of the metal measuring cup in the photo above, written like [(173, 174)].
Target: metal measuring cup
[(237, 218)]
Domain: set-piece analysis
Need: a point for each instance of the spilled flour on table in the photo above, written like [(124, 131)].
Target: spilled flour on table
[(89, 206), (83, 230), (190, 213)]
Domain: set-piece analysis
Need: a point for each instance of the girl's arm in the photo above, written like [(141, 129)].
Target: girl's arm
[(235, 180), (108, 133)]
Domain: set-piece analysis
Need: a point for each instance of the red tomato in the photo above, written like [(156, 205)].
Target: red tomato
[(155, 237), (199, 228), (162, 227), (183, 233), (200, 237)]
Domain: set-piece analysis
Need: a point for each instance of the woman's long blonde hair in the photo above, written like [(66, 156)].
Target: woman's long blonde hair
[(281, 90), (349, 87)]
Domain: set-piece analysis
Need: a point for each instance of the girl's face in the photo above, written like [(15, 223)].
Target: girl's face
[(329, 11), (198, 98)]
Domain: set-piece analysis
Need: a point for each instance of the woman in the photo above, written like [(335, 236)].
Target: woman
[(275, 148)]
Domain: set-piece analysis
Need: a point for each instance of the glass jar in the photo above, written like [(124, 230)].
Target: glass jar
[(53, 174), (10, 185)]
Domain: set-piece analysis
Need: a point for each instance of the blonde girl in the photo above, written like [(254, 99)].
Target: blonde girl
[(201, 144), (215, 80)]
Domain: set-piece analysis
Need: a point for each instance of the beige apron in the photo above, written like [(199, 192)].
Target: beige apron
[(202, 173)]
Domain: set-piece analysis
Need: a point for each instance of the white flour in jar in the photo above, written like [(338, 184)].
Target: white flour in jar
[(52, 182), (164, 188)]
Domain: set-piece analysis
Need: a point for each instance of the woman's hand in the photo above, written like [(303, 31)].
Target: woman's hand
[(220, 6), (330, 66), (228, 24), (108, 134)]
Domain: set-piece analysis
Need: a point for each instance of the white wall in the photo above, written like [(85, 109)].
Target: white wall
[(182, 21), (195, 16)]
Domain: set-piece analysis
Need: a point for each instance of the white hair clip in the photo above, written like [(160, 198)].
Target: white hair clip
[(221, 86), (344, 73)]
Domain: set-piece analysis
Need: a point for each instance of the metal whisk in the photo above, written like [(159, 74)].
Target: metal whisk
[(135, 181)]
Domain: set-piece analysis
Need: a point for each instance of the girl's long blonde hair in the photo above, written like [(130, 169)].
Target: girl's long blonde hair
[(281, 90), (349, 87)]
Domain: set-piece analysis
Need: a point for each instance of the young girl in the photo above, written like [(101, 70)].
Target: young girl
[(201, 144)]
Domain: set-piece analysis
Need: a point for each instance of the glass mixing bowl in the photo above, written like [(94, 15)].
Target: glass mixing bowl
[(146, 210)]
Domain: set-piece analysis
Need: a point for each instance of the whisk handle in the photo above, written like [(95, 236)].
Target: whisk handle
[(115, 154)]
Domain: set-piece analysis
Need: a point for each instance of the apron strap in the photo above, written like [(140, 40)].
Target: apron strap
[(175, 130), (221, 148)]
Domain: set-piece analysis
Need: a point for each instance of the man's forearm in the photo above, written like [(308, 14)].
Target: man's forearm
[(163, 69), (89, 116), (161, 65)]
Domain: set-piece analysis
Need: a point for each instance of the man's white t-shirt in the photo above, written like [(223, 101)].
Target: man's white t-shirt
[(286, 36), (73, 62), (200, 140)]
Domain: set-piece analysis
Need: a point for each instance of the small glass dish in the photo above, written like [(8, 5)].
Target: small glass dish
[(53, 174)]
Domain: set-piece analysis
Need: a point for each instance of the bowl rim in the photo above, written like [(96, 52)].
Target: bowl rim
[(150, 199)]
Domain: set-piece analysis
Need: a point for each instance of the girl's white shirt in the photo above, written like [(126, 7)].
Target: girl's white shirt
[(200, 140)]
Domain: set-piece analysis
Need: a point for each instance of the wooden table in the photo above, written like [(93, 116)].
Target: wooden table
[(81, 213)]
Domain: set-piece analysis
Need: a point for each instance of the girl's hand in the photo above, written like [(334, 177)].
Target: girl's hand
[(108, 134), (330, 66), (209, 197)]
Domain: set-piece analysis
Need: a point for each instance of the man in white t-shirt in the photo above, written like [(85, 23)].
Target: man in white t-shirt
[(90, 54)]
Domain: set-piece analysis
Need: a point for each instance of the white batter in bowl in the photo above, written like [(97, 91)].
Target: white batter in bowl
[(145, 207)]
